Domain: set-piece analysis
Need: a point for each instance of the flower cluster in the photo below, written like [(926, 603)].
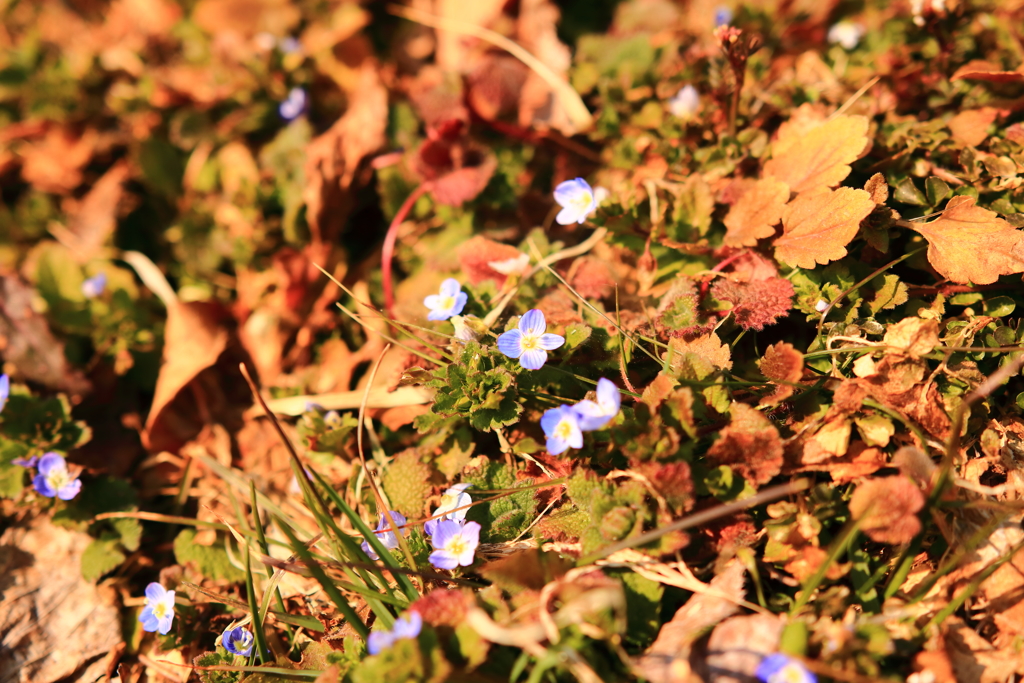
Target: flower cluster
[(531, 342), (409, 627), (158, 613), (53, 479), (388, 538), (778, 668), (564, 426), (237, 641)]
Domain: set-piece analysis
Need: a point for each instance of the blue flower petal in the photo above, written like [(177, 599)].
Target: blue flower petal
[(533, 359), (550, 342), (70, 490), (533, 322), (511, 343), (43, 486), (450, 287)]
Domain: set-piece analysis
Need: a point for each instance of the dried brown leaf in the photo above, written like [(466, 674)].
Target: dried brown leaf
[(756, 213), (93, 220), (970, 244), (980, 70), (818, 226), (750, 444), (757, 303), (887, 508), (821, 157), (913, 337), (970, 127), (781, 363)]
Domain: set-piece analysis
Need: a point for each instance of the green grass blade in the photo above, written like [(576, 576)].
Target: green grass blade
[(257, 623), (325, 582)]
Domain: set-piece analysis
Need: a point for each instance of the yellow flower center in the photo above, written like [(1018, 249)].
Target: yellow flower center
[(159, 610), (583, 200), (530, 342), (788, 674), (58, 479), (456, 546), (563, 430), (446, 302)]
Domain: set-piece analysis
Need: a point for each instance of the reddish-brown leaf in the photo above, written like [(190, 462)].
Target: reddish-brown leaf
[(750, 445), (820, 157), (970, 244), (887, 508), (757, 303), (756, 213), (818, 226), (478, 253), (783, 365), (970, 127), (980, 70)]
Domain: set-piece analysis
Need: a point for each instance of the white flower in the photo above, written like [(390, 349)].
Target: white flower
[(454, 497), (685, 103), (846, 33), (595, 415), (576, 198)]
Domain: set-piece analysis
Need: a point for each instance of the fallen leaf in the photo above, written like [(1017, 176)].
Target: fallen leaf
[(974, 659), (969, 244), (478, 253), (709, 347), (539, 105), (54, 164), (821, 157), (970, 127), (246, 17), (53, 621), (750, 445), (756, 213), (738, 644), (887, 508), (666, 660), (913, 337), (332, 159), (757, 303), (859, 461), (980, 70), (816, 227), (93, 220), (28, 343), (460, 185), (781, 363)]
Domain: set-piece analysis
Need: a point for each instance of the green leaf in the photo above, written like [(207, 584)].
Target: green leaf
[(999, 306), (100, 557), (406, 482), (130, 531), (908, 193), (937, 190), (210, 561), (576, 334), (643, 602)]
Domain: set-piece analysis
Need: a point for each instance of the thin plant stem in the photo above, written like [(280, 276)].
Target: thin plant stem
[(388, 250)]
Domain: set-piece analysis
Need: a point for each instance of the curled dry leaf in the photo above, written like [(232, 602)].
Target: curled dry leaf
[(756, 213), (750, 445), (817, 226), (980, 70), (820, 157), (666, 661), (969, 244), (887, 508), (914, 337), (708, 347), (94, 219), (783, 365)]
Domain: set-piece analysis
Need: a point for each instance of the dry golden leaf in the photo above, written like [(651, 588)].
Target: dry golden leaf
[(820, 157), (970, 127), (914, 337), (709, 347), (781, 363), (750, 444), (816, 227), (878, 188), (92, 221), (756, 213), (969, 244), (887, 508), (980, 70)]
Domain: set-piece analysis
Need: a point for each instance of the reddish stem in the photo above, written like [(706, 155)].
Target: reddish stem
[(388, 250)]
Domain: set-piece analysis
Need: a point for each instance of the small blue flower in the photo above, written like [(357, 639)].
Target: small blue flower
[(685, 103), (595, 415), (454, 544), (237, 641), (454, 497), (294, 105), (158, 613), (388, 538), (26, 462), (94, 286), (723, 16), (577, 200), (5, 390), (562, 427), (409, 627), (778, 668), (529, 343), (448, 302), (54, 480)]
